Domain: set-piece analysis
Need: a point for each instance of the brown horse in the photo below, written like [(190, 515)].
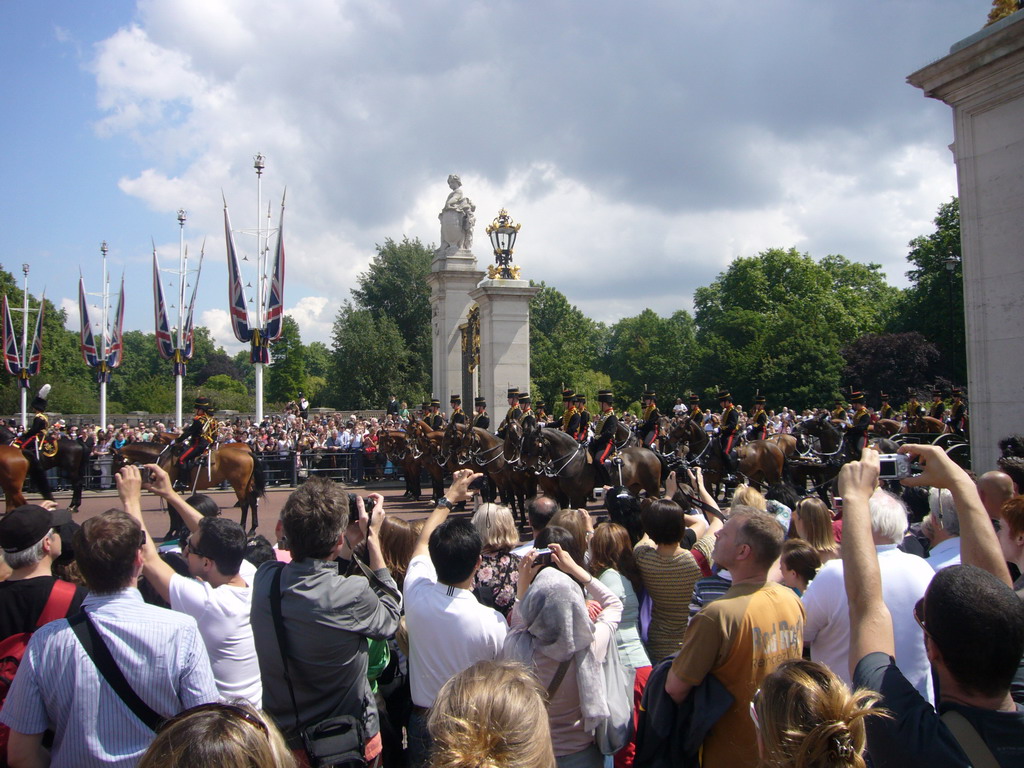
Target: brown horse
[(428, 444), (13, 468), (395, 444), (925, 425), (232, 463), (886, 427), (760, 461)]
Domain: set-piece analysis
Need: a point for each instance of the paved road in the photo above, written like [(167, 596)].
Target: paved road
[(95, 502)]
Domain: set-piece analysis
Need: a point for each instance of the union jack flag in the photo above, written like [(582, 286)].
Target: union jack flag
[(236, 293), (88, 342), (12, 357), (164, 342)]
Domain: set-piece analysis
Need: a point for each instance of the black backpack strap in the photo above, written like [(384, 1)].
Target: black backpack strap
[(282, 640), (93, 643)]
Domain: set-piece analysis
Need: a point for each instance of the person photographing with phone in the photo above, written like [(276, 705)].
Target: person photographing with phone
[(449, 630), (969, 619)]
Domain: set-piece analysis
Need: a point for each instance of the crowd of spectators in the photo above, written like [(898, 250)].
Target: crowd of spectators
[(774, 631)]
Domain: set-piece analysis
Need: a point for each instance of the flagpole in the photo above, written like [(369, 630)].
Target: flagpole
[(259, 164), (179, 377), (24, 347), (102, 347)]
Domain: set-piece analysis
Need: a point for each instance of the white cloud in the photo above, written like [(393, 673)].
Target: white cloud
[(642, 150)]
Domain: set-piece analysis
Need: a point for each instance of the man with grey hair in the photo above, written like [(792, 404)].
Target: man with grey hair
[(905, 578), (30, 536), (942, 527)]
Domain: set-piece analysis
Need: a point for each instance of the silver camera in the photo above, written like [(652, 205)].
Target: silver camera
[(894, 466)]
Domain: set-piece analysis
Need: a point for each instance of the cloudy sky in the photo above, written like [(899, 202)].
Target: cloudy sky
[(642, 145)]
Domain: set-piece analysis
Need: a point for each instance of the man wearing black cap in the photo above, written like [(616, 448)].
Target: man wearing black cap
[(458, 415), (513, 413), (528, 418), (857, 436), (938, 407), (481, 419), (648, 429), (303, 406), (604, 437), (696, 414), (570, 416), (30, 442), (729, 422), (540, 408), (759, 420), (958, 416), (583, 431), (392, 407), (433, 417), (31, 539), (200, 435), (886, 411)]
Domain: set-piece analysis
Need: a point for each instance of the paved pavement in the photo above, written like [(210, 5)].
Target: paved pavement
[(95, 502)]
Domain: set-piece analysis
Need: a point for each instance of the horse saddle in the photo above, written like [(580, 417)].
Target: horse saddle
[(48, 448)]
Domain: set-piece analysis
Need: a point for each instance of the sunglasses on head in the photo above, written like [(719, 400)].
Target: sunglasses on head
[(241, 712)]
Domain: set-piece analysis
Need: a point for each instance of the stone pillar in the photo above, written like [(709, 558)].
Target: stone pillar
[(504, 339), (982, 79), (451, 279)]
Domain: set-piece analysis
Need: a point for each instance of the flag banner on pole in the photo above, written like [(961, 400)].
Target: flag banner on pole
[(275, 297), (12, 358), (115, 351), (88, 342), (35, 357), (164, 343), (186, 352), (236, 293)]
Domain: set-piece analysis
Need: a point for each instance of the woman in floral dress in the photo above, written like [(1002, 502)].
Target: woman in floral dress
[(498, 575)]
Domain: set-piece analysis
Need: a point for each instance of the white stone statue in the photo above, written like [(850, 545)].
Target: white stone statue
[(458, 217)]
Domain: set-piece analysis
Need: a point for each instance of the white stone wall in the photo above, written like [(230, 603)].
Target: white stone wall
[(982, 79)]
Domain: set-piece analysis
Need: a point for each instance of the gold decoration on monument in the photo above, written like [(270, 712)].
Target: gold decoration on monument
[(471, 338), (503, 232)]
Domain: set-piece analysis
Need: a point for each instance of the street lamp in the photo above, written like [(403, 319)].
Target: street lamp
[(503, 232)]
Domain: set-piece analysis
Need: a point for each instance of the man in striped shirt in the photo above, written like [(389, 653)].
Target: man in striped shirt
[(58, 687)]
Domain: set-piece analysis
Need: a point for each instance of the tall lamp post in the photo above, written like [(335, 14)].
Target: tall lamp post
[(176, 344), (951, 261), (261, 325), (23, 363), (503, 232), (102, 353)]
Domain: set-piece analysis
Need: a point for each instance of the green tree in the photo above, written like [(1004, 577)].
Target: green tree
[(369, 360), (775, 322), (649, 351), (287, 372), (395, 287), (934, 302), (565, 345)]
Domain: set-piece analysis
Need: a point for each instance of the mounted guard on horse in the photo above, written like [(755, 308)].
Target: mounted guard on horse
[(199, 436)]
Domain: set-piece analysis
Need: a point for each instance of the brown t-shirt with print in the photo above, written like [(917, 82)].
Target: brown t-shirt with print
[(740, 638)]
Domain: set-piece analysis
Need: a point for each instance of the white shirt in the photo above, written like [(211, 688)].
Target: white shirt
[(222, 614), (449, 630), (944, 554), (905, 578)]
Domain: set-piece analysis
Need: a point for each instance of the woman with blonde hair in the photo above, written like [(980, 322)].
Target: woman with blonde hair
[(218, 736), (749, 496), (496, 578), (813, 524), (807, 717), (491, 715)]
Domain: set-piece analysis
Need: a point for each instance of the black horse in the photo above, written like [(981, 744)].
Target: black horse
[(71, 458)]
